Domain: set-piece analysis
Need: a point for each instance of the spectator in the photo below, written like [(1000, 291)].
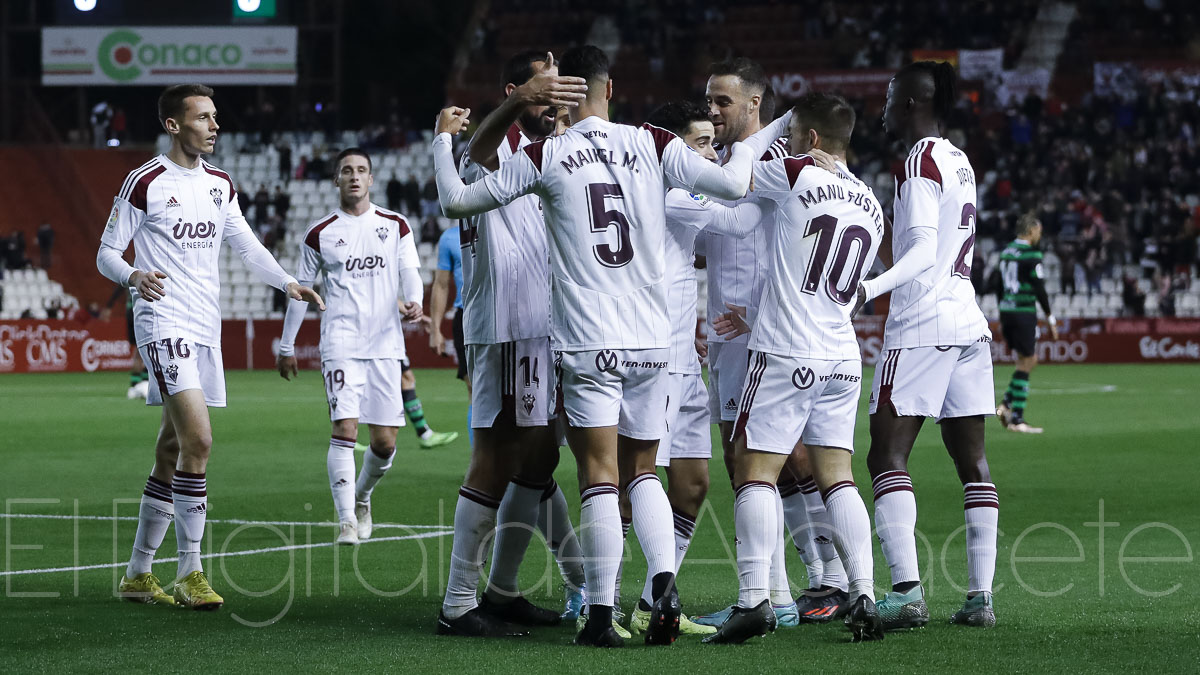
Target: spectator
[(395, 193), (431, 231), (101, 117), (1133, 299), (429, 201), (118, 125), (412, 195), (45, 240), (285, 162), (302, 167), (283, 203), (262, 199)]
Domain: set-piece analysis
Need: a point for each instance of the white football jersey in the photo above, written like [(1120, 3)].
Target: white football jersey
[(177, 219), (687, 215), (827, 233), (359, 260), (506, 265), (938, 308), (737, 268), (602, 189)]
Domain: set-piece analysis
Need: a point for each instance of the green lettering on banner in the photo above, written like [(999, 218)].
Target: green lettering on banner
[(113, 49)]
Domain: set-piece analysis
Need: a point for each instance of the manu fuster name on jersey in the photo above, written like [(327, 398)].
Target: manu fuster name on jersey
[(834, 191)]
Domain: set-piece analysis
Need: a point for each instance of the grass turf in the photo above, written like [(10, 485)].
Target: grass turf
[(1120, 447)]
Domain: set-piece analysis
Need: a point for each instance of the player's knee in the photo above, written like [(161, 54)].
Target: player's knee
[(383, 448), (197, 445)]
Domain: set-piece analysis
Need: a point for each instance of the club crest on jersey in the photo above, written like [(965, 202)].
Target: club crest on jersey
[(803, 378), (173, 372), (333, 402), (216, 195), (606, 360), (382, 231), (527, 402)]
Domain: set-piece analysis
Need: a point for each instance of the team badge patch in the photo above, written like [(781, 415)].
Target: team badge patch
[(333, 402), (527, 401), (112, 220), (173, 372), (382, 231), (216, 195)]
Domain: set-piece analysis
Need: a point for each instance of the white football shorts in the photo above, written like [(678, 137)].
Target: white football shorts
[(789, 399), (367, 390), (687, 434), (626, 388), (726, 374), (937, 382), (510, 383), (176, 365)]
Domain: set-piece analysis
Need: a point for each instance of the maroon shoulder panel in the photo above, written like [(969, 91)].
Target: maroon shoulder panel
[(313, 239)]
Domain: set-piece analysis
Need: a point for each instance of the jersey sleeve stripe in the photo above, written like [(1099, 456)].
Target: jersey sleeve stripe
[(927, 166), (313, 238), (794, 165), (534, 152), (137, 196), (661, 138), (404, 229), (221, 174), (777, 150)]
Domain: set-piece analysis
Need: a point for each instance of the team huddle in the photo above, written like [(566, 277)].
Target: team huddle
[(580, 239)]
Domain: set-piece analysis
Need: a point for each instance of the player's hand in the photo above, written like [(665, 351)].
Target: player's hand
[(701, 348), (1053, 323), (287, 366), (453, 120), (437, 342), (547, 87), (297, 292), (824, 160), (860, 299), (732, 323), (148, 285), (411, 311)]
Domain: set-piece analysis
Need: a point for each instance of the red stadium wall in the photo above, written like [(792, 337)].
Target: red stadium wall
[(72, 189), (74, 346)]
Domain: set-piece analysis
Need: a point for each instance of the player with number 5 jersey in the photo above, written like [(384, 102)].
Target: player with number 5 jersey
[(602, 187)]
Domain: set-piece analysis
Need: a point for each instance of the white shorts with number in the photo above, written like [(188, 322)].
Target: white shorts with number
[(510, 383), (176, 364), (622, 387), (687, 434), (367, 390), (789, 399), (726, 375), (937, 382)]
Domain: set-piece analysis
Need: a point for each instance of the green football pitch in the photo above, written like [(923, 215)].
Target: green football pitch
[(1096, 566)]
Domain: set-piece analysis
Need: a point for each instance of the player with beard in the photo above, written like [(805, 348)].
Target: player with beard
[(506, 330), (937, 359), (740, 100)]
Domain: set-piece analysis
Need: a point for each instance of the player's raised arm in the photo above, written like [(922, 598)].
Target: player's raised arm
[(515, 178), (546, 87)]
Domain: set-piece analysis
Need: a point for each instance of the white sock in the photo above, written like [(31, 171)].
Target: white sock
[(795, 516), (852, 534), (339, 462), (781, 589), (685, 526), (600, 536), (982, 510), (896, 522), (373, 469), (554, 521), (154, 517), (653, 522), (474, 520), (833, 574), (625, 525), (514, 527), (189, 491), (754, 515)]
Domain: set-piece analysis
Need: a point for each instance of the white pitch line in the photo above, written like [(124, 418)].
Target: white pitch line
[(227, 554), (220, 521)]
